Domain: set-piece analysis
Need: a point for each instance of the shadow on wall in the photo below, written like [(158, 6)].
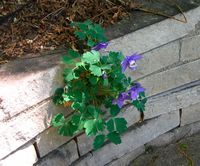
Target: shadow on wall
[(30, 65), (49, 139)]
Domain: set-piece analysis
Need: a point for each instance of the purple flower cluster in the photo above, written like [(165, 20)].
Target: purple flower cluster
[(130, 95), (130, 62)]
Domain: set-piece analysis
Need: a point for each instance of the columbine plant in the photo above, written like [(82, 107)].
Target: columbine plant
[(96, 88)]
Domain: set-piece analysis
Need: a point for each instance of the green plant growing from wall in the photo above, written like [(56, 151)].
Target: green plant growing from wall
[(96, 88)]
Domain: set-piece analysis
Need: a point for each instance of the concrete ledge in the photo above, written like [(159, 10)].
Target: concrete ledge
[(190, 48), (63, 156), (156, 35), (50, 140), (175, 135), (22, 84), (156, 60), (127, 158), (23, 128), (190, 114), (23, 157), (171, 78)]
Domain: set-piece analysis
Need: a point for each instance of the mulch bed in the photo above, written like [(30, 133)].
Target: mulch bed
[(36, 26)]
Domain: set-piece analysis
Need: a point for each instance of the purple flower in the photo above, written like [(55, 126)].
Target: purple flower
[(121, 99), (100, 46), (135, 90), (130, 61), (104, 76)]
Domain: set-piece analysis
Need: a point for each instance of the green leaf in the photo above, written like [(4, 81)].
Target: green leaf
[(104, 67), (58, 120), (114, 137), (100, 124), (99, 29), (120, 124), (73, 53), (98, 141), (105, 82), (114, 110), (77, 106), (67, 59), (87, 22), (93, 80), (95, 70), (110, 125), (58, 98), (142, 94), (75, 119), (81, 35), (91, 43), (66, 97), (68, 129), (139, 104), (70, 76), (115, 57), (93, 111), (91, 57), (90, 127), (66, 71)]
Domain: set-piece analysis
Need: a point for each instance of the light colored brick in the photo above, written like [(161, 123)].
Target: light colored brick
[(26, 126), (85, 144), (190, 114), (127, 158), (175, 135), (162, 140), (63, 156), (171, 78), (156, 35), (23, 157), (155, 60), (21, 86), (133, 140), (49, 140), (190, 49)]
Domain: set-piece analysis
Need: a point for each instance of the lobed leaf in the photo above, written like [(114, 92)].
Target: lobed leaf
[(114, 137), (99, 141)]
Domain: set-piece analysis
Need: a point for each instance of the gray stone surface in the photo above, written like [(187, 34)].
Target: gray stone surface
[(162, 140), (23, 157), (49, 140), (190, 114), (132, 140), (19, 130), (173, 154), (23, 85), (127, 158), (175, 135), (85, 144), (63, 156), (156, 59), (171, 78), (156, 34), (190, 49)]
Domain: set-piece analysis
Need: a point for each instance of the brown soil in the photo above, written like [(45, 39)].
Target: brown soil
[(29, 27)]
